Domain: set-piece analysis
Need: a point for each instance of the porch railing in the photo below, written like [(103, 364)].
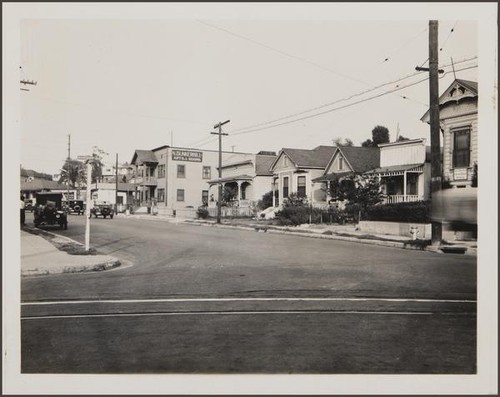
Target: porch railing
[(401, 198)]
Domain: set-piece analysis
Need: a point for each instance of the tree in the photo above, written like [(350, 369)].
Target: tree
[(340, 142), (363, 192), (97, 164), (380, 134), (228, 195), (73, 172)]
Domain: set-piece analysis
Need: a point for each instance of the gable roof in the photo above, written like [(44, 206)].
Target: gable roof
[(38, 184), (263, 164), (360, 158), (470, 91), (144, 156), (307, 158)]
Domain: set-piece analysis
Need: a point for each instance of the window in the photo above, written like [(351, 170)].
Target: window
[(181, 171), (301, 186), (204, 196), (161, 171), (341, 163), (160, 195), (207, 172), (180, 194), (285, 187), (461, 148)]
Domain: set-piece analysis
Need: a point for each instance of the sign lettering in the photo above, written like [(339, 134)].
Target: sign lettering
[(187, 155)]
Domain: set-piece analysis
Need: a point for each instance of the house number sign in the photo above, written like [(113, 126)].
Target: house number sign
[(187, 155)]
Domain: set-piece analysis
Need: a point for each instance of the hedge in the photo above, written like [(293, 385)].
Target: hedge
[(418, 212)]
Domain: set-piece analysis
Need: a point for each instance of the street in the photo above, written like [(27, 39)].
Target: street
[(194, 299)]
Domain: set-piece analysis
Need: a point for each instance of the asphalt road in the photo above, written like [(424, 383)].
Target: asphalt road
[(194, 299)]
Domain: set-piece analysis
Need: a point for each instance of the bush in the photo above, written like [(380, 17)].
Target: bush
[(418, 212), (202, 212), (266, 201)]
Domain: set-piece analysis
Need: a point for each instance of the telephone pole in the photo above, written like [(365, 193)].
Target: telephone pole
[(116, 185), (220, 133), (68, 175), (437, 227)]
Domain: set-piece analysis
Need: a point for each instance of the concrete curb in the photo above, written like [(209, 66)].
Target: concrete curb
[(96, 262), (276, 230), (72, 268)]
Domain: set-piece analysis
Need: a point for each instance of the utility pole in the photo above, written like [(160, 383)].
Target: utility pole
[(220, 133), (88, 161), (67, 160), (116, 185), (437, 228)]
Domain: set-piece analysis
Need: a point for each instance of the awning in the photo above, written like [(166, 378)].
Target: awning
[(239, 178), (395, 170)]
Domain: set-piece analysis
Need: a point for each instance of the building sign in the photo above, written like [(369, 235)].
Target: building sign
[(187, 155), (460, 174)]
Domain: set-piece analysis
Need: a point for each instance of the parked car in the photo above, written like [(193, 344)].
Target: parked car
[(49, 210), (102, 209), (75, 207)]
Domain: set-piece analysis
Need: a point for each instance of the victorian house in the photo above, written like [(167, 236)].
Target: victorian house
[(458, 113), (344, 162), (295, 171)]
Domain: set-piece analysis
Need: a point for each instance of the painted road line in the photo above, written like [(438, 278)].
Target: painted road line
[(223, 313), (304, 299)]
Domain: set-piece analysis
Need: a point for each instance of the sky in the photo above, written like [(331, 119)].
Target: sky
[(123, 84)]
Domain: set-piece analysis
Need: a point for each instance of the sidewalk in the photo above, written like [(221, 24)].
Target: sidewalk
[(40, 256), (324, 231)]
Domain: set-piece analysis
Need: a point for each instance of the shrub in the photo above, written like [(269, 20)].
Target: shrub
[(202, 212), (266, 201), (418, 212)]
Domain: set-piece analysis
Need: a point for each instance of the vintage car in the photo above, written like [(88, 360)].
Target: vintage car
[(49, 211), (102, 209), (74, 207)]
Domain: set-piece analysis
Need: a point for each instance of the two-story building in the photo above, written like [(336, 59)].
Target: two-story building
[(405, 171), (458, 114), (178, 178)]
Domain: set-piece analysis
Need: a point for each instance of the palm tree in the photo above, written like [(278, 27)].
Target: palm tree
[(73, 172)]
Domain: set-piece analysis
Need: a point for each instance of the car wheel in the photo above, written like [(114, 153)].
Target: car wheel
[(104, 216), (111, 216)]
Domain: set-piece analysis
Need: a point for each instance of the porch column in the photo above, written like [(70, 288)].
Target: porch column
[(328, 196), (239, 190), (404, 186), (273, 188)]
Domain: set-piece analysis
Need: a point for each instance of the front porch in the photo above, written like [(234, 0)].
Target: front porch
[(236, 191), (402, 184)]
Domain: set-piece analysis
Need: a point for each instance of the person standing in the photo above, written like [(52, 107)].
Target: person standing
[(23, 210)]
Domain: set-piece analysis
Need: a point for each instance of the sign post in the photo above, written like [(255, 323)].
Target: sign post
[(87, 160)]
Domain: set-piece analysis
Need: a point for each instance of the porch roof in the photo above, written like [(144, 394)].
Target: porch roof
[(332, 176), (398, 169), (231, 179)]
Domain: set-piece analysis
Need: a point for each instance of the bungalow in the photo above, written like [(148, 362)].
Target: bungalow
[(458, 113), (31, 185), (294, 171), (346, 161)]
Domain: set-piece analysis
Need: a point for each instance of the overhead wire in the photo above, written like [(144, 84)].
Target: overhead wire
[(388, 58), (341, 99), (347, 105)]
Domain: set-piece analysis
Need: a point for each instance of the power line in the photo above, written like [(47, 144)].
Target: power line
[(282, 52), (449, 34), (344, 106), (339, 100), (404, 45)]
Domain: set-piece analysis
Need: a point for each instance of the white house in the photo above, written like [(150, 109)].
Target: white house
[(458, 114)]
